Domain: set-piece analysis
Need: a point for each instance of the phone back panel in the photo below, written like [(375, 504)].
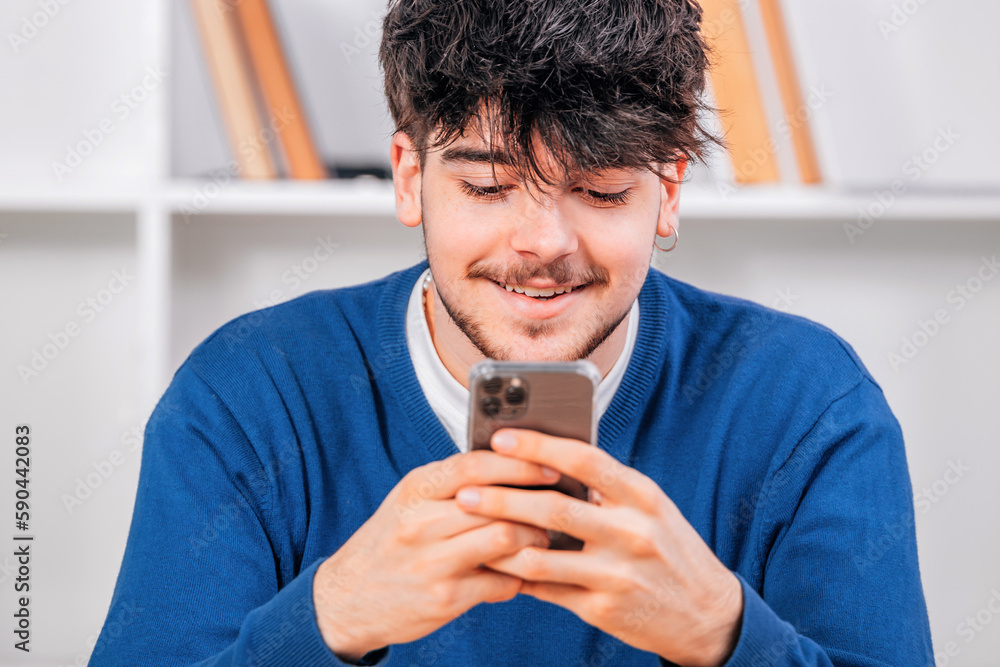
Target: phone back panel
[(556, 398)]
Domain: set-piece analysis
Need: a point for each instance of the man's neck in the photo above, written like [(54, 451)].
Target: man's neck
[(458, 354)]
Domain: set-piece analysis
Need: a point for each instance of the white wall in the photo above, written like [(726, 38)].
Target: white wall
[(79, 406)]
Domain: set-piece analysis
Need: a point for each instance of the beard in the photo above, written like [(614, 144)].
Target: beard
[(473, 329), (580, 346)]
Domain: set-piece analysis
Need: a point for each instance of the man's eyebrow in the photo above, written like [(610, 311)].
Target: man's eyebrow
[(473, 156)]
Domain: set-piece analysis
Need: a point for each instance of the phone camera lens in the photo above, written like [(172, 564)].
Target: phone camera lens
[(493, 385), (514, 394), (490, 406)]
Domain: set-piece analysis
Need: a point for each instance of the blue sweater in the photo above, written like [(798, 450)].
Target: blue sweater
[(283, 431)]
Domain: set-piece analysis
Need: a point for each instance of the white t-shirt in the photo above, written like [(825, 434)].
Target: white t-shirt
[(449, 399)]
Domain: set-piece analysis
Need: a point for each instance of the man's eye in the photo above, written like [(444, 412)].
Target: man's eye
[(614, 198), (498, 192), (492, 193)]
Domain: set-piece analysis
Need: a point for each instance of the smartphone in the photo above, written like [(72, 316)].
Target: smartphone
[(553, 397)]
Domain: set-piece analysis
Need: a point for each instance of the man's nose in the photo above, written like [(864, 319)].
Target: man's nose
[(543, 230)]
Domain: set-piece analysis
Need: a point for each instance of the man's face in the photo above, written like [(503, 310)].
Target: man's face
[(487, 242)]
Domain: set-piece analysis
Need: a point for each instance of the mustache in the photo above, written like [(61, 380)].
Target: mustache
[(561, 274)]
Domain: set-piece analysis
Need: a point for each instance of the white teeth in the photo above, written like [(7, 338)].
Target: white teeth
[(531, 291)]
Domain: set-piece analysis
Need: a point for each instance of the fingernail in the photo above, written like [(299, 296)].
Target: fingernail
[(503, 441), (550, 472), (468, 497)]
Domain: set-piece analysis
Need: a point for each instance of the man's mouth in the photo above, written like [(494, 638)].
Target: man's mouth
[(541, 294)]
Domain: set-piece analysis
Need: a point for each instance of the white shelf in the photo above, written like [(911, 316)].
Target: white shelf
[(376, 198), (788, 203), (30, 198), (332, 197)]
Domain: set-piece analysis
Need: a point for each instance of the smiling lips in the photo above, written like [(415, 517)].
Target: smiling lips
[(539, 303)]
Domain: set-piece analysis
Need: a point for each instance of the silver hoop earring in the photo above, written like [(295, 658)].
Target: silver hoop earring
[(677, 236)]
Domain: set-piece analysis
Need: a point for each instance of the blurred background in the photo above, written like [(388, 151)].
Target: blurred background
[(862, 191)]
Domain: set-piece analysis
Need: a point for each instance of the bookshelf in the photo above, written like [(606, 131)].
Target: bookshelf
[(126, 206), (159, 199)]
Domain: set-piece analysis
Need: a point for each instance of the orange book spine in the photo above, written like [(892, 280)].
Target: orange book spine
[(791, 92), (286, 113), (737, 93)]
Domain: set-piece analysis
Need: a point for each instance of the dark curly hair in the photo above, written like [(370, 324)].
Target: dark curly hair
[(604, 83)]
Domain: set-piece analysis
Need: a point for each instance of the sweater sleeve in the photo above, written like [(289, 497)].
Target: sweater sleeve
[(837, 546), (199, 580)]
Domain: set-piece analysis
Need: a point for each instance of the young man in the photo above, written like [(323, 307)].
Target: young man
[(305, 495)]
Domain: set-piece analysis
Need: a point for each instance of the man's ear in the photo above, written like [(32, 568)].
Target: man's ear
[(670, 197), (405, 179)]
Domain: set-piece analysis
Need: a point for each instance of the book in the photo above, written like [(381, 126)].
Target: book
[(791, 92), (284, 112), (234, 88), (737, 94)]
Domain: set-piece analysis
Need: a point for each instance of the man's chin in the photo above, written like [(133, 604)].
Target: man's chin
[(538, 349)]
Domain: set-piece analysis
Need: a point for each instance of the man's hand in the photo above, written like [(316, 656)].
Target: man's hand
[(416, 563), (644, 574)]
